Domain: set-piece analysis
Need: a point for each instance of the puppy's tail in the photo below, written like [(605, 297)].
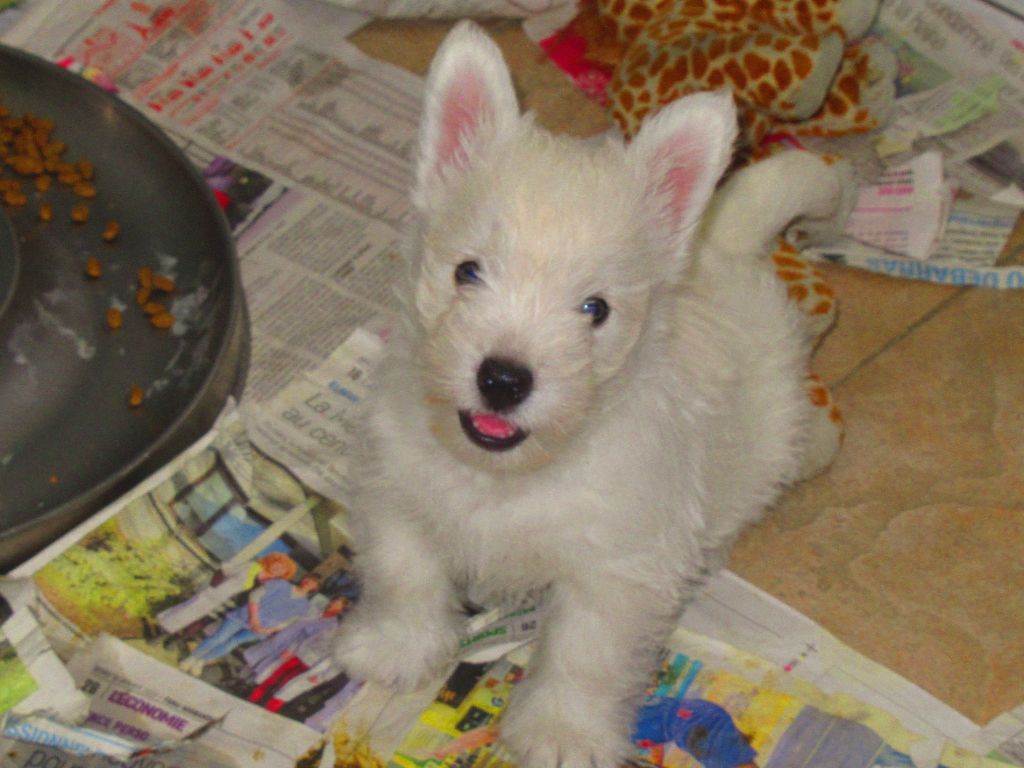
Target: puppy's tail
[(752, 208)]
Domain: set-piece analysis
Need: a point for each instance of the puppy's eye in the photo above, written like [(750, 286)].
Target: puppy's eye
[(467, 272), (597, 308)]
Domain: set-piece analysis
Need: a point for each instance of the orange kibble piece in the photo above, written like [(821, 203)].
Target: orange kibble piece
[(142, 295), (111, 231), (85, 169), (162, 320), (114, 318), (93, 267), (145, 276), (46, 212), (80, 213), (84, 189), (135, 396), (27, 166), (153, 308), (11, 197), (43, 183), (163, 283)]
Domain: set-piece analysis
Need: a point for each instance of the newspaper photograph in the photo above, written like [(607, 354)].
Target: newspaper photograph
[(19, 683), (203, 605)]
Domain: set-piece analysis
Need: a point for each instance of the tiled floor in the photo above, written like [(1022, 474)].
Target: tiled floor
[(909, 548)]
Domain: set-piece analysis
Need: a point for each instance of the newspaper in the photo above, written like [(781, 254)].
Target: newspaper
[(710, 704), (960, 96), (33, 677), (199, 608), (905, 210)]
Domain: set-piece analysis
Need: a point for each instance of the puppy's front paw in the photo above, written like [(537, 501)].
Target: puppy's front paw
[(396, 651), (549, 727)]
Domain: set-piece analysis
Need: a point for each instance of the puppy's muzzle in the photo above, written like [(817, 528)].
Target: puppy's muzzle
[(504, 384)]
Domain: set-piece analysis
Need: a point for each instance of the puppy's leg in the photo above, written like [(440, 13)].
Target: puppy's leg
[(405, 627), (760, 201), (597, 651)]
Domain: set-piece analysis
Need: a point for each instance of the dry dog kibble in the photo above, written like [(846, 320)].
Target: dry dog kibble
[(84, 189), (25, 165), (145, 276), (114, 318), (12, 197), (163, 320), (152, 308), (111, 231), (93, 267), (142, 295), (135, 396), (85, 169), (43, 183), (80, 213), (164, 283), (46, 212)]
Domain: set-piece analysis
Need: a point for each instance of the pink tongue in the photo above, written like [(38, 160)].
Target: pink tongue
[(493, 426)]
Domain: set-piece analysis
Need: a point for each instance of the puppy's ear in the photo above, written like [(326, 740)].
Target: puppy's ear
[(469, 101), (684, 150)]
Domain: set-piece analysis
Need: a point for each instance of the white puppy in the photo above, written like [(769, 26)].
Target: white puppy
[(587, 396)]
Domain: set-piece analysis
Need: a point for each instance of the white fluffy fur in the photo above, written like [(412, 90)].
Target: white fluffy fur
[(653, 438)]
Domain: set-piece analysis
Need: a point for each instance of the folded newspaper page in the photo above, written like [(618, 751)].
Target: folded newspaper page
[(200, 608), (905, 210), (960, 95), (709, 705)]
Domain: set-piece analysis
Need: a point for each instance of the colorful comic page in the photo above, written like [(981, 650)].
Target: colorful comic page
[(725, 710), (221, 570), (459, 726)]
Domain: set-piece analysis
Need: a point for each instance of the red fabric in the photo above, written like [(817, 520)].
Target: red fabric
[(286, 671)]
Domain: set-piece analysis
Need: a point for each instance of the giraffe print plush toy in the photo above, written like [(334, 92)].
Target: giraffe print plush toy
[(800, 68), (794, 66)]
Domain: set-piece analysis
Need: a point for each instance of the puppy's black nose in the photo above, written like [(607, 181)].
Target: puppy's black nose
[(503, 383)]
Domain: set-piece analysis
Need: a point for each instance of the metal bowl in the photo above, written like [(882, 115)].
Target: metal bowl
[(69, 440)]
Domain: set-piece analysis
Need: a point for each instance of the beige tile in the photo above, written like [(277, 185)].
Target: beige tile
[(873, 311), (541, 87), (908, 549), (408, 44)]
